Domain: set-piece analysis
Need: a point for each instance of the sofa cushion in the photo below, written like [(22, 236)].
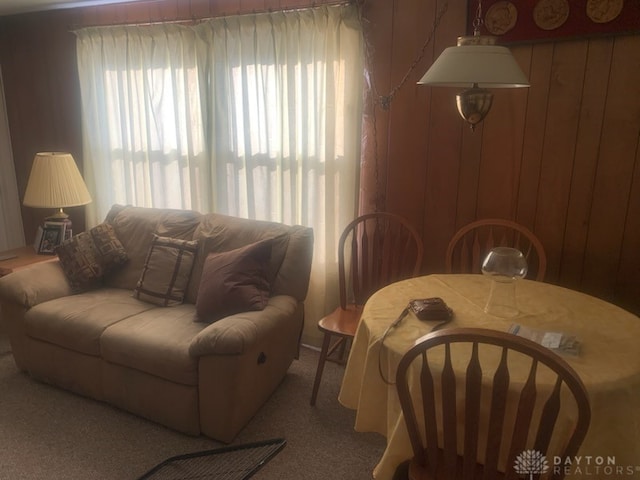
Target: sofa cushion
[(156, 342), (88, 256), (166, 271), (235, 281), (77, 322)]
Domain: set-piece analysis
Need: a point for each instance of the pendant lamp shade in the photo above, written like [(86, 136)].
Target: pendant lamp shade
[(488, 66), (475, 64), (55, 182)]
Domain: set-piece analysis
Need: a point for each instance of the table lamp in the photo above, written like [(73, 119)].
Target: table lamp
[(55, 182)]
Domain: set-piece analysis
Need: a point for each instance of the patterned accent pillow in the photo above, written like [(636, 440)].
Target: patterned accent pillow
[(88, 256), (235, 281), (111, 252), (79, 261), (167, 271)]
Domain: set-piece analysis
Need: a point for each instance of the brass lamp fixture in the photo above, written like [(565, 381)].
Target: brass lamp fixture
[(55, 182), (479, 64)]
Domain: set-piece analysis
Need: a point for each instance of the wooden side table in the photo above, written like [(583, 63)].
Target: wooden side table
[(19, 258)]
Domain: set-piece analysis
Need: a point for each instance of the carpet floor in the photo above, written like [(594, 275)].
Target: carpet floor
[(50, 434)]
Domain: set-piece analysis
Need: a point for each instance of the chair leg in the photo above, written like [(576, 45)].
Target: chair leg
[(343, 349), (402, 472), (321, 361)]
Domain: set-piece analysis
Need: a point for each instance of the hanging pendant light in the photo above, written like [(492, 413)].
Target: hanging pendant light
[(478, 64)]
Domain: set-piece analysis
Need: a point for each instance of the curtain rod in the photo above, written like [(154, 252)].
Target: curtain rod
[(196, 20)]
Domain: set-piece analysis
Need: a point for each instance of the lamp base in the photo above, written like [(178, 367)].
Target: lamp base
[(59, 216), (62, 217)]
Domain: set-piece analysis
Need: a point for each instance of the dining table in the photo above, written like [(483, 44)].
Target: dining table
[(606, 357)]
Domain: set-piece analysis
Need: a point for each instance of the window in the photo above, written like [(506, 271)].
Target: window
[(256, 116)]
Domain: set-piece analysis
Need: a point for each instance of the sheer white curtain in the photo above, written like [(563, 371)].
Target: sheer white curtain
[(143, 133), (286, 115), (267, 122), (11, 230)]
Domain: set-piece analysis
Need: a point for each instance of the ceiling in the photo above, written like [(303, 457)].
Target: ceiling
[(10, 7)]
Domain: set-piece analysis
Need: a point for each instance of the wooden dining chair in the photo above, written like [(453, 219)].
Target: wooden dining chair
[(374, 250), (469, 246), (524, 429)]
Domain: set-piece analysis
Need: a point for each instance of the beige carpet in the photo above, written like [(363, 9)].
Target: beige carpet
[(50, 434)]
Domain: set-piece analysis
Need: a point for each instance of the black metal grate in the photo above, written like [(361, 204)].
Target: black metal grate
[(227, 463)]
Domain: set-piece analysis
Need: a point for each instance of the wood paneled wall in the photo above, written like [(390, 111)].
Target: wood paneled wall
[(42, 96), (562, 157)]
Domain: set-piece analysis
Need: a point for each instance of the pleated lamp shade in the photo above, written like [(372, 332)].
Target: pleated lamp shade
[(55, 182)]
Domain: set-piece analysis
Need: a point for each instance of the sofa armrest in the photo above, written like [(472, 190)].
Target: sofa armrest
[(236, 334), (37, 284)]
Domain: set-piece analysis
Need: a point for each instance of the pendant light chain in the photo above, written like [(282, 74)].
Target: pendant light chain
[(384, 101), (477, 22)]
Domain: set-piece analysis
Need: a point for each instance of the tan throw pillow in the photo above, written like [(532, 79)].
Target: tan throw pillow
[(235, 281), (88, 256), (167, 271)]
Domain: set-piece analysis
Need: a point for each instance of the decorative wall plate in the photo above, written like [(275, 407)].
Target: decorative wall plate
[(501, 17), (550, 20), (603, 11), (551, 14)]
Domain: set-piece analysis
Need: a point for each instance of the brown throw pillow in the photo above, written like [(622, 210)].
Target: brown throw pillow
[(167, 271), (88, 256), (79, 261), (235, 281), (111, 252)]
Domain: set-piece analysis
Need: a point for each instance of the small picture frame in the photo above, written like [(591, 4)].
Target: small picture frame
[(38, 239), (62, 226), (52, 236)]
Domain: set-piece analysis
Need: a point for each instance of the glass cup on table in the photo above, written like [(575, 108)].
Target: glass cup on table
[(504, 265)]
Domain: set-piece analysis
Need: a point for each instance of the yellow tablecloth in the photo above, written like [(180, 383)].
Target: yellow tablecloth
[(609, 362)]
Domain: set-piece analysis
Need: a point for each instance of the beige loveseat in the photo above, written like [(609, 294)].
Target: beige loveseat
[(163, 362)]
